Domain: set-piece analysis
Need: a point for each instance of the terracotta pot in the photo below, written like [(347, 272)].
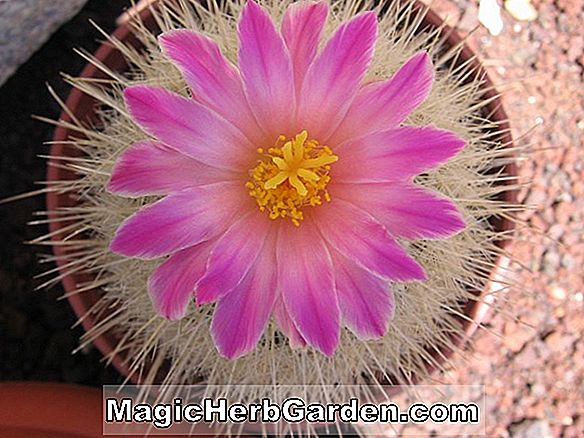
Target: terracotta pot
[(55, 410), (49, 410), (83, 107)]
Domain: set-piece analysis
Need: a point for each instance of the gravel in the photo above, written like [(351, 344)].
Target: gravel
[(531, 429), (534, 372)]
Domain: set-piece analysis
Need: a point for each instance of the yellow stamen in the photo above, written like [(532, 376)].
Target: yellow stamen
[(293, 175)]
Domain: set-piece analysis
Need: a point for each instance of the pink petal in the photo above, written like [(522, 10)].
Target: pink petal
[(172, 284), (333, 79), (266, 69), (179, 221), (149, 168), (405, 209), (380, 106), (366, 300), (188, 127), (214, 81), (241, 317), (301, 28), (305, 279), (286, 325), (360, 238), (232, 257), (394, 155)]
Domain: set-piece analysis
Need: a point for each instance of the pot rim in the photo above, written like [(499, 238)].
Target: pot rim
[(476, 309)]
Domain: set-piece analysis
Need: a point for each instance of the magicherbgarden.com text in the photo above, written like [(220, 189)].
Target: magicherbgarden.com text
[(291, 410)]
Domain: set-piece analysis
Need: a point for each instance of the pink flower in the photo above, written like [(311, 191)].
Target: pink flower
[(287, 181)]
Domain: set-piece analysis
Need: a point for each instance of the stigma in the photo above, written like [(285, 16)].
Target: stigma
[(292, 175)]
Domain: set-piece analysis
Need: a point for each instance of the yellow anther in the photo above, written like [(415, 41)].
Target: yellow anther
[(292, 175)]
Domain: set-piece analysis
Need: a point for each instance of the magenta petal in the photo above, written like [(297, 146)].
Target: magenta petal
[(396, 154), (333, 79), (232, 257), (366, 300), (380, 106), (178, 221), (360, 238), (301, 28), (149, 168), (286, 325), (306, 281), (213, 79), (266, 69), (241, 316), (188, 127), (172, 284), (405, 209)]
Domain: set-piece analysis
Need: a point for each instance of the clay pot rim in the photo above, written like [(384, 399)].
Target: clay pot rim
[(475, 310)]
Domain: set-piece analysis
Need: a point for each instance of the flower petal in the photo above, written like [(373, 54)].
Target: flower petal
[(179, 221), (396, 154), (380, 106), (286, 325), (149, 168), (266, 69), (241, 316), (188, 127), (232, 257), (214, 81), (305, 279), (360, 238), (405, 209), (172, 284), (366, 300), (332, 80), (301, 28)]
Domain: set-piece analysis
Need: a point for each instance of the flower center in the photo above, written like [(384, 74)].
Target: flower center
[(292, 175)]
